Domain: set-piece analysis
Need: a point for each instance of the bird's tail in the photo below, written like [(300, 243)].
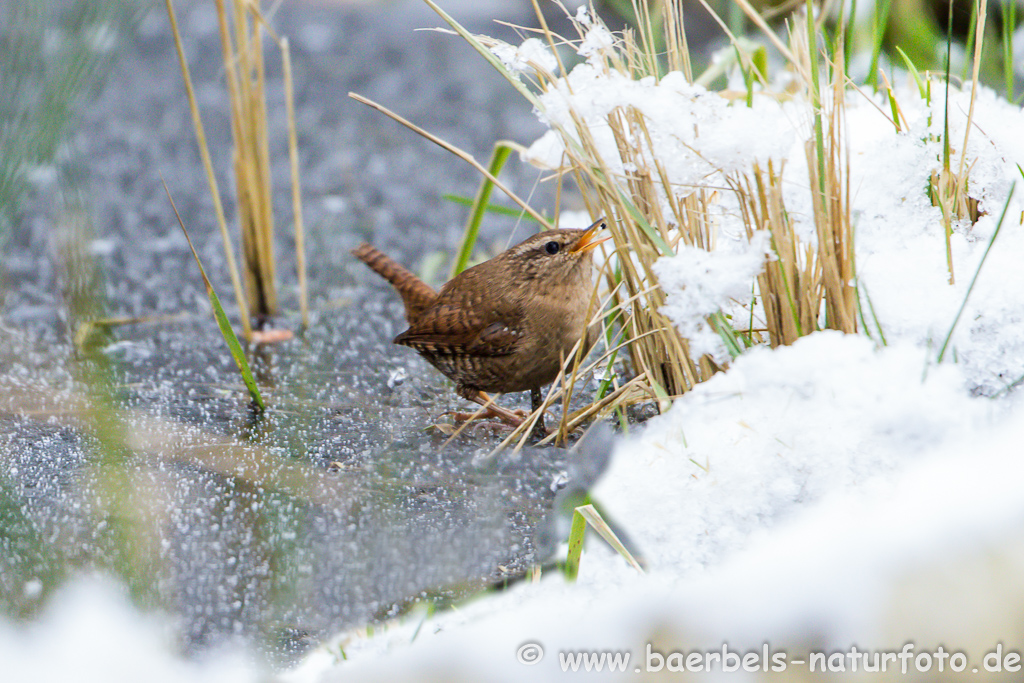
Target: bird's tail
[(417, 295)]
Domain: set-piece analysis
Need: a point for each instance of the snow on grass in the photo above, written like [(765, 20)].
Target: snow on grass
[(702, 139), (698, 283)]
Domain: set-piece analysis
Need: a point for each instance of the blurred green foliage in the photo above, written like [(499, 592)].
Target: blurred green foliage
[(53, 53), (917, 27)]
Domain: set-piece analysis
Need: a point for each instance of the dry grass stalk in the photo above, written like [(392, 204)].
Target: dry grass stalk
[(211, 177), (790, 285), (293, 157), (828, 166), (832, 218), (677, 50), (246, 78), (802, 278), (245, 75)]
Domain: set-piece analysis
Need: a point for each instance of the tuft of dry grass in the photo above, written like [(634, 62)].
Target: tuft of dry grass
[(242, 32), (245, 74), (790, 287)]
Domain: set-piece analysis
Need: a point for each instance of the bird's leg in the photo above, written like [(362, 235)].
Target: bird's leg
[(512, 418)]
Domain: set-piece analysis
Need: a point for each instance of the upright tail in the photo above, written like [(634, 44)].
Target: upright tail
[(417, 295)]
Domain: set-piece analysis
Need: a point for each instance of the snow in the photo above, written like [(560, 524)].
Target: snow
[(530, 55), (91, 632), (699, 283), (777, 431)]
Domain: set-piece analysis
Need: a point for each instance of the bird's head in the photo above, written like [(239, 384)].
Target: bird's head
[(556, 254)]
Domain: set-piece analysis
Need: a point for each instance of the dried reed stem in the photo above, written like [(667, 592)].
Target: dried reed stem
[(211, 178)]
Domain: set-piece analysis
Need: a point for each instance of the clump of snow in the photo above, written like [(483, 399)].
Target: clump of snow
[(596, 43), (91, 632), (780, 429), (582, 16), (685, 121), (529, 56), (699, 283)]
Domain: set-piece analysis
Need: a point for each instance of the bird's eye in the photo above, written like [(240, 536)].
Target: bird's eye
[(552, 247)]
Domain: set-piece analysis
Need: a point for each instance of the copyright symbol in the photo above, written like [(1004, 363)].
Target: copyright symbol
[(530, 653)]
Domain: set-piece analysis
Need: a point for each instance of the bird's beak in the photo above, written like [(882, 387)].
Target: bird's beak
[(587, 242)]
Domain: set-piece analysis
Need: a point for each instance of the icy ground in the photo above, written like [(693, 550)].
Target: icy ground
[(834, 494)]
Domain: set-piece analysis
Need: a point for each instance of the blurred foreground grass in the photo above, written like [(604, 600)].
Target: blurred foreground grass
[(53, 55)]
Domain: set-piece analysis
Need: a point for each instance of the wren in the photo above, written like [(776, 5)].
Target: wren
[(505, 325)]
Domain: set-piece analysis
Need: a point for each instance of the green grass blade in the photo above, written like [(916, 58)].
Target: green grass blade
[(664, 402), (235, 347), (594, 519), (1009, 28), (863, 318), (971, 32), (881, 23), (913, 72), (733, 342), (970, 288), (895, 111), (572, 559), (222, 319), (847, 27), (651, 233), (496, 209), (483, 195)]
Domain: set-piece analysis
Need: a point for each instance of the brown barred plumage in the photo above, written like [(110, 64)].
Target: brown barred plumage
[(504, 325)]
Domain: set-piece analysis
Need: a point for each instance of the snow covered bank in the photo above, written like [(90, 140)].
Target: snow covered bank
[(841, 492), (838, 502)]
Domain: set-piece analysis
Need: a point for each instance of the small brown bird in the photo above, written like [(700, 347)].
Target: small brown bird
[(504, 325)]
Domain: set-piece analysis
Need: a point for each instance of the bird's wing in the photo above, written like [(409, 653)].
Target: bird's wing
[(450, 329)]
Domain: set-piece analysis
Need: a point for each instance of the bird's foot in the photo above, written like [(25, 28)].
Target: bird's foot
[(519, 416), (500, 420)]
